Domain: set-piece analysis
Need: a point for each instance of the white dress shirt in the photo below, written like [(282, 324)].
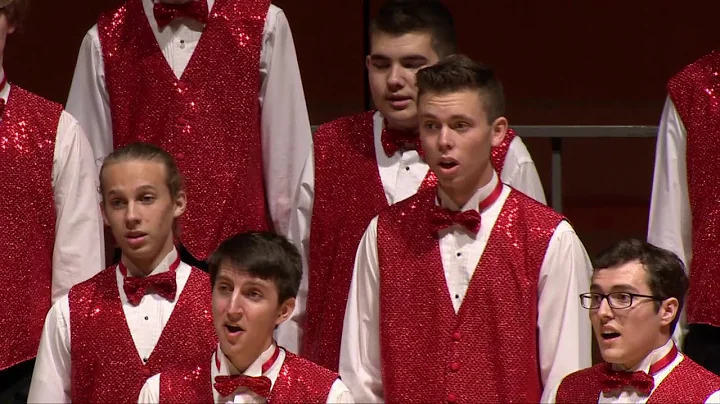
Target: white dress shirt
[(150, 392), (670, 224), (285, 128), (78, 252), (51, 377), (401, 175), (630, 395), (564, 327)]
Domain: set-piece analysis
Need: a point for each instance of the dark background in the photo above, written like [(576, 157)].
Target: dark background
[(562, 62)]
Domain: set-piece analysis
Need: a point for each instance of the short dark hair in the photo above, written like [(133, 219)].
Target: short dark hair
[(264, 255), (16, 12), (666, 275), (458, 73), (399, 17), (139, 151)]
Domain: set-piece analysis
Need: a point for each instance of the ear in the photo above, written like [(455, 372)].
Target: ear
[(498, 129), (669, 311), (180, 204), (10, 28), (104, 215), (368, 63), (285, 311)]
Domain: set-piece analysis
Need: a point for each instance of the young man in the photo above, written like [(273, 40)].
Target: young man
[(150, 312), (215, 83), (464, 292), (52, 226), (255, 278), (363, 163), (684, 205), (635, 299)]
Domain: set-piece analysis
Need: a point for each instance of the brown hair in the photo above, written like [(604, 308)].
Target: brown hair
[(16, 12), (145, 152), (459, 72)]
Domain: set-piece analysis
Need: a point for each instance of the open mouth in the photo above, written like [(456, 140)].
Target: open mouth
[(233, 329), (607, 336), (447, 164)]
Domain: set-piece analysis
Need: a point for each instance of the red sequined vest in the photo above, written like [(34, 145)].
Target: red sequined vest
[(348, 195), (687, 383), (209, 119), (695, 91), (487, 352), (299, 381), (27, 210), (105, 365)]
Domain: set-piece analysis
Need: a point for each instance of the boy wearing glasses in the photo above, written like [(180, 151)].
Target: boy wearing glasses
[(636, 295)]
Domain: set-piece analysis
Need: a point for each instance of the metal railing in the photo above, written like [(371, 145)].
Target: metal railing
[(557, 133)]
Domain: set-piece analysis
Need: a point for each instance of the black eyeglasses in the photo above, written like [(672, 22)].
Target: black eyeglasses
[(616, 300)]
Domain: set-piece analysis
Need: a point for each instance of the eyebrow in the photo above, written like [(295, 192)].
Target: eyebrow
[(615, 288), (409, 58)]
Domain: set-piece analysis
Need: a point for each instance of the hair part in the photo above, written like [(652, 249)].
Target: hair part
[(460, 73), (139, 151), (399, 17), (666, 276), (263, 255)]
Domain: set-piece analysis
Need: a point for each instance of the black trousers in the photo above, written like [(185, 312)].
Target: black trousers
[(15, 382), (185, 257), (702, 344)]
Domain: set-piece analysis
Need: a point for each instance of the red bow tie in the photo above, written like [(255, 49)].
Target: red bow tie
[(441, 218), (615, 380), (166, 12), (164, 284), (227, 385), (394, 139)]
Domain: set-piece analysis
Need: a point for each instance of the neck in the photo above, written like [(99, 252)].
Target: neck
[(460, 197), (400, 126), (633, 363), (242, 363), (142, 267)]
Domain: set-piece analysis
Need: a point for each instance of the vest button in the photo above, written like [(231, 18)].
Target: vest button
[(146, 371), (455, 366), (181, 122), (179, 156), (456, 336), (451, 398)]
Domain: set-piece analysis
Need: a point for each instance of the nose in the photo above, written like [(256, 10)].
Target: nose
[(605, 311), (445, 140), (235, 308), (395, 80), (132, 217)]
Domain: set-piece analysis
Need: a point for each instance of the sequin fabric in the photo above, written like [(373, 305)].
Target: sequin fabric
[(105, 364), (487, 352), (688, 382), (299, 381), (499, 153), (187, 384), (209, 119), (695, 92), (348, 194), (27, 146)]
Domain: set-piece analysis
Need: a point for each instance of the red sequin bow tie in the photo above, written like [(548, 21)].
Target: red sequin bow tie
[(166, 12), (394, 139), (616, 380), (227, 385), (164, 284), (442, 218)]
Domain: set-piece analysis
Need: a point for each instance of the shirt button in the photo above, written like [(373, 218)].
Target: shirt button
[(147, 318), (451, 398), (182, 44), (407, 168), (454, 366), (457, 296), (145, 360), (459, 254), (456, 336)]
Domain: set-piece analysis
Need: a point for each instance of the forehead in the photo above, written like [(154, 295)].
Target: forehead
[(402, 45), (631, 273), (442, 105), (132, 173), (239, 275)]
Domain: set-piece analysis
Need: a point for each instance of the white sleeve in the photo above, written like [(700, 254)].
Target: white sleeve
[(714, 398), (150, 392), (339, 393), (88, 101), (360, 361), (289, 334), (51, 376), (79, 250), (670, 223), (564, 326), (286, 136), (520, 173)]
